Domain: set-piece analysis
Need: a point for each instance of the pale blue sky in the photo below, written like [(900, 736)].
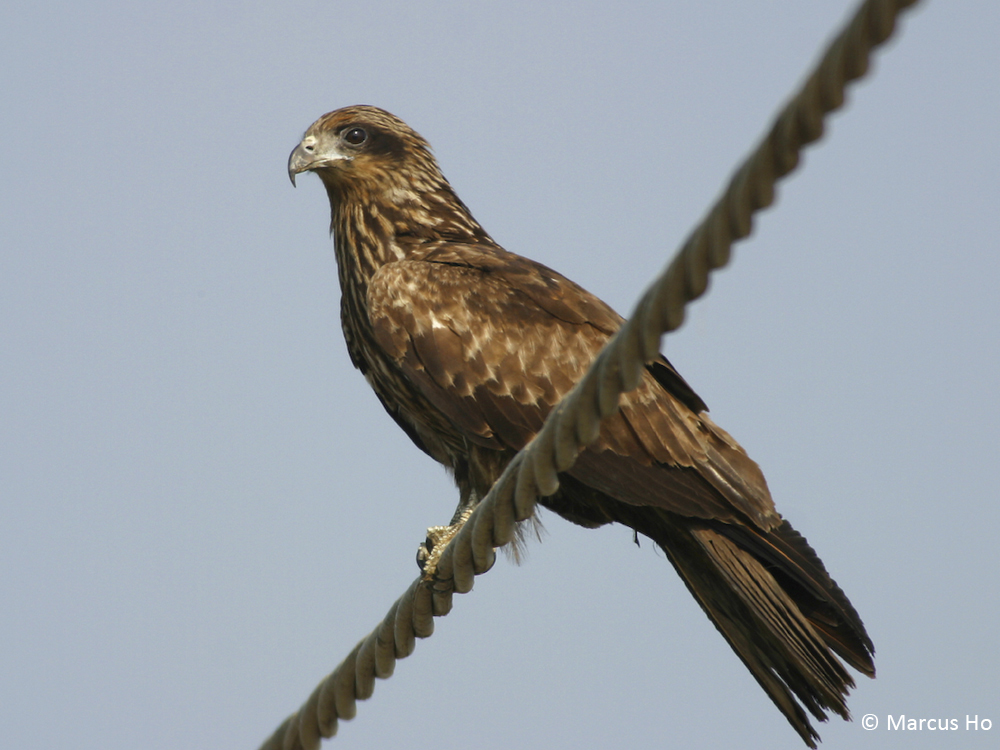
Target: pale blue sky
[(203, 507)]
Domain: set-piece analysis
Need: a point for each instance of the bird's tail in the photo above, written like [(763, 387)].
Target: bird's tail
[(773, 601)]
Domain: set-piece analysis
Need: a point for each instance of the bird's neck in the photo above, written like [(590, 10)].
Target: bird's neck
[(371, 230)]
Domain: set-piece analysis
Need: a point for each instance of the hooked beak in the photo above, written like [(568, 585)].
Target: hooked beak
[(300, 160), (310, 154)]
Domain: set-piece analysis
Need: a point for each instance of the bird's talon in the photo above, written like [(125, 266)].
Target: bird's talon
[(438, 538)]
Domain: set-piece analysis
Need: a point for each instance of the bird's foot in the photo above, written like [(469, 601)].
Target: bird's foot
[(438, 538)]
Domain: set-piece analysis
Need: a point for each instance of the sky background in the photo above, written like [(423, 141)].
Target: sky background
[(203, 507)]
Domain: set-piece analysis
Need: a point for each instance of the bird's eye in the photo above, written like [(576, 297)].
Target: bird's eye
[(356, 136)]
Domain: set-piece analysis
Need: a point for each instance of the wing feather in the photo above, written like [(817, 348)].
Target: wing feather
[(494, 341)]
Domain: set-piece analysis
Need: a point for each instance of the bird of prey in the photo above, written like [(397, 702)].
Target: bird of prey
[(469, 347)]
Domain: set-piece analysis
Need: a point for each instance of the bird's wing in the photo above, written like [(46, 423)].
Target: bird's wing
[(494, 341)]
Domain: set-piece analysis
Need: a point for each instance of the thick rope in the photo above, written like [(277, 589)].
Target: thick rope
[(575, 422)]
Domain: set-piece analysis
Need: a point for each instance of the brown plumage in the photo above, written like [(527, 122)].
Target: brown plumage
[(469, 347)]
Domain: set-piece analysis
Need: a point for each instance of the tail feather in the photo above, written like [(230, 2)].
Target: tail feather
[(797, 568), (786, 635)]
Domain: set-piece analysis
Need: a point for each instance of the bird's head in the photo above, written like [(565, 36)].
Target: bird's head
[(365, 148), (374, 165)]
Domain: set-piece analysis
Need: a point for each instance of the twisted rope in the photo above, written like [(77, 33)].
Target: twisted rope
[(576, 421)]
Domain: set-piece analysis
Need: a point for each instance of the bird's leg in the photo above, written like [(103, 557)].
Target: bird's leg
[(438, 537), (467, 503)]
